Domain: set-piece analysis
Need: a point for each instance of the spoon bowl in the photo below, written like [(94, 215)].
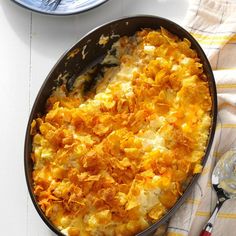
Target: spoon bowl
[(224, 183)]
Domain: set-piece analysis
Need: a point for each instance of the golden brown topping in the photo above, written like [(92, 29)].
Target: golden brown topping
[(116, 159)]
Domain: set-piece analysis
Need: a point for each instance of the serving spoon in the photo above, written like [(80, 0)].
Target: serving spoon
[(224, 182)]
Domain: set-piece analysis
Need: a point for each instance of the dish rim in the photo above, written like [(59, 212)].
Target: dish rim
[(212, 128), (55, 13)]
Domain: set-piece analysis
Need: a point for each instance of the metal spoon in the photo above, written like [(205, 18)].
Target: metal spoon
[(224, 183)]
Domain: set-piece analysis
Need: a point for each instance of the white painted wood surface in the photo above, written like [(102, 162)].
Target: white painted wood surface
[(30, 44)]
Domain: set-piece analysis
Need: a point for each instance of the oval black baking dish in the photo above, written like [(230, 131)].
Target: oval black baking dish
[(87, 53)]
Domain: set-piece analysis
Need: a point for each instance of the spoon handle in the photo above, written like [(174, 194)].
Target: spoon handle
[(207, 230), (209, 226), (205, 233)]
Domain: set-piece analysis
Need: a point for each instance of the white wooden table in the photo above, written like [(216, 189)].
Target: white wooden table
[(30, 44)]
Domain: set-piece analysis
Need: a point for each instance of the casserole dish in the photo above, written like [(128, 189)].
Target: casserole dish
[(90, 51)]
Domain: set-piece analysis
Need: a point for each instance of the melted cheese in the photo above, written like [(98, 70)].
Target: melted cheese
[(116, 160)]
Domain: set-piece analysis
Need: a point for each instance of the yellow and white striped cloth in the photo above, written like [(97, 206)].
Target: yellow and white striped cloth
[(213, 24)]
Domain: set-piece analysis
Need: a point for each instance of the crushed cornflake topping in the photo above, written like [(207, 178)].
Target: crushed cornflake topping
[(115, 160)]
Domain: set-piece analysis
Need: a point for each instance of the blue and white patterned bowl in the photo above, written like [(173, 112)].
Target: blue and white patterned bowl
[(66, 7)]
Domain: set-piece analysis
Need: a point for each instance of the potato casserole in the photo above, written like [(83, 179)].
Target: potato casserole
[(113, 154)]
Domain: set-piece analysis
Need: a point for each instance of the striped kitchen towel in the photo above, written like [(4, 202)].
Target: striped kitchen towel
[(213, 24)]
